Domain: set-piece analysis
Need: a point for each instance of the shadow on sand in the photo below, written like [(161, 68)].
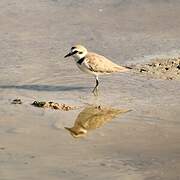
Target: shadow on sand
[(44, 87)]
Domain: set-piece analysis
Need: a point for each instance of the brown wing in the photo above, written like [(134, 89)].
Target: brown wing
[(98, 63)]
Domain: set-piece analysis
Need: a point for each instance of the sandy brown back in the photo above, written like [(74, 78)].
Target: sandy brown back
[(101, 64)]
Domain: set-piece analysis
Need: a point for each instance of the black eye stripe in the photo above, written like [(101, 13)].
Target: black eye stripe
[(74, 52), (80, 52), (73, 48)]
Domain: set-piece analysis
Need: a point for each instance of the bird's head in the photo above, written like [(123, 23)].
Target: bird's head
[(77, 132), (77, 51)]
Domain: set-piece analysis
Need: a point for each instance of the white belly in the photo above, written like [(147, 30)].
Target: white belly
[(84, 68)]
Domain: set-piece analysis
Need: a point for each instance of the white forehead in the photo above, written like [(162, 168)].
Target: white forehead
[(78, 48)]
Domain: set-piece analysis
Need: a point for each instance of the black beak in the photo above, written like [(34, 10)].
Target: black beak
[(70, 54)]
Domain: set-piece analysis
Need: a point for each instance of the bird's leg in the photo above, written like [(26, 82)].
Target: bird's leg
[(95, 90)]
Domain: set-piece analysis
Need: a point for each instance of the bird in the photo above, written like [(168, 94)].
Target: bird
[(93, 117), (94, 64)]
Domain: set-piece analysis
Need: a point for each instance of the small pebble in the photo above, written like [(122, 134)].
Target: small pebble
[(16, 101)]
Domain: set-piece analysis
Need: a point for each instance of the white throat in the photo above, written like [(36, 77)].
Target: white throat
[(77, 57)]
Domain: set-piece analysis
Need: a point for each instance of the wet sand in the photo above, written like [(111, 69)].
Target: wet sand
[(143, 144), (161, 68)]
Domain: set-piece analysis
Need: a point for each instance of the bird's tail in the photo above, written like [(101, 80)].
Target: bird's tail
[(122, 68), (128, 67)]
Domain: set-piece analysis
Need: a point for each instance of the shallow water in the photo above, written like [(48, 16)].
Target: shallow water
[(93, 117), (141, 144)]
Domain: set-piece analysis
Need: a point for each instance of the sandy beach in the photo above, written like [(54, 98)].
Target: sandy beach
[(142, 144)]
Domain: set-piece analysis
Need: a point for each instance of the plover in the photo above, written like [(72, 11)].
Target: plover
[(94, 64), (93, 117)]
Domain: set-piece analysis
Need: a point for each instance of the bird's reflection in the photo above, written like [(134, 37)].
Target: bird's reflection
[(93, 117)]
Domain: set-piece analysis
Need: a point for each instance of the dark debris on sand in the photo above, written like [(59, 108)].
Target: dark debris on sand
[(53, 105), (163, 68), (16, 101)]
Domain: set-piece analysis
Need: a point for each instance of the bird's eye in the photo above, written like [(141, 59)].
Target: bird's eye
[(81, 132), (74, 52), (80, 52)]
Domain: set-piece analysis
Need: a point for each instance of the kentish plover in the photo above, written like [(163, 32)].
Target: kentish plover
[(93, 117), (92, 63)]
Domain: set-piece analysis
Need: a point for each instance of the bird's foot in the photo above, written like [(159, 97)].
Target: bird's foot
[(95, 91)]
